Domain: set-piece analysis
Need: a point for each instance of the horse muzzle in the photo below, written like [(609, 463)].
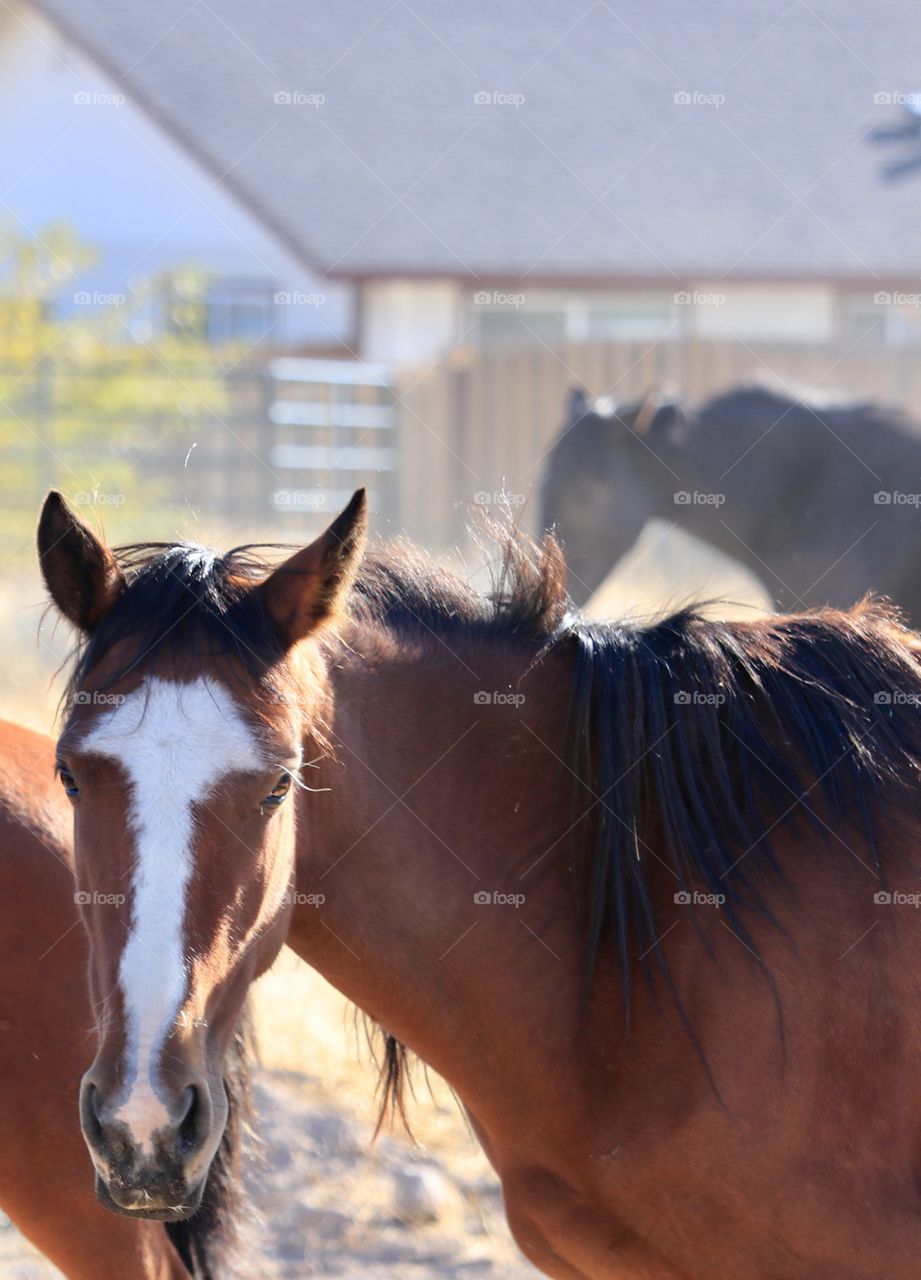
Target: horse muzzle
[(160, 1173)]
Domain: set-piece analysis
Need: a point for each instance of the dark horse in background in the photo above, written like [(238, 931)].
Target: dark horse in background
[(821, 503)]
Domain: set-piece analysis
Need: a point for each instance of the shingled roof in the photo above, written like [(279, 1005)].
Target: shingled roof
[(617, 141)]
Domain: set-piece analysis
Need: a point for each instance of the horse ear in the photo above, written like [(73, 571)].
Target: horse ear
[(576, 405), (80, 572), (670, 423), (660, 419), (313, 584)]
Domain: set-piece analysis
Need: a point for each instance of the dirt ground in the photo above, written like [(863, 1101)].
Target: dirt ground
[(324, 1201), (328, 1203)]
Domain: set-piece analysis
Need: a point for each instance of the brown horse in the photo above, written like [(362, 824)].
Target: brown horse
[(45, 1017), (646, 896)]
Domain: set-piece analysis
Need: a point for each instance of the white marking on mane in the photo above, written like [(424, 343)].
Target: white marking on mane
[(175, 743)]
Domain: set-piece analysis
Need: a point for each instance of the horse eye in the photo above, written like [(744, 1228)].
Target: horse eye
[(278, 793), (68, 782)]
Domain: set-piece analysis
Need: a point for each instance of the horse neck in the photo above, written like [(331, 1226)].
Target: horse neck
[(435, 797), (704, 466)]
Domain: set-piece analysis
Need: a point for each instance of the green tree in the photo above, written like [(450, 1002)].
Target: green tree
[(93, 393)]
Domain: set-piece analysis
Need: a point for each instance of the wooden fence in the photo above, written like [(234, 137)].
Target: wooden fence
[(288, 442), (259, 452), (479, 422)]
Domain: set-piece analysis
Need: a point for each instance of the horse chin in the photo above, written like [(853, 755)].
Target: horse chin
[(150, 1210)]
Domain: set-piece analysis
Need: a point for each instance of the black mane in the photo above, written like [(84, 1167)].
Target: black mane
[(745, 716), (703, 740), (707, 741), (400, 586), (186, 599)]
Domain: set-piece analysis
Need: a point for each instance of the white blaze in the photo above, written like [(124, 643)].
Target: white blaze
[(175, 742)]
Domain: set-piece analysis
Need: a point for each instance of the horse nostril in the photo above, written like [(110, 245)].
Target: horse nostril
[(91, 1114), (193, 1127)]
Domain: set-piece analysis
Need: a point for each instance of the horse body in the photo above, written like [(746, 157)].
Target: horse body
[(45, 1019), (820, 503), (620, 1155), (619, 885)]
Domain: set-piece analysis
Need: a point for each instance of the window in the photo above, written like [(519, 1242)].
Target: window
[(519, 315), (240, 310), (889, 318)]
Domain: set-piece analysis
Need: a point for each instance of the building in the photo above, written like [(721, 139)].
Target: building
[(393, 179)]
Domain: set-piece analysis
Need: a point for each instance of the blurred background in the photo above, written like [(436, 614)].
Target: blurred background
[(252, 256)]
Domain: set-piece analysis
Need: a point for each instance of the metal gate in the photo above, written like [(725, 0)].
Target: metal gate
[(334, 429)]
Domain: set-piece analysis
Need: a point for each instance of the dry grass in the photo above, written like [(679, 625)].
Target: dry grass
[(305, 1026)]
